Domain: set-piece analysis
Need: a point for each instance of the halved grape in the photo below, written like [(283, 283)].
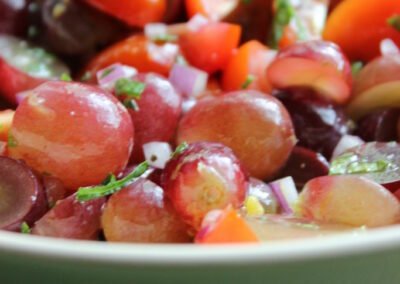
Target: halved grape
[(141, 213), (71, 219), (377, 161), (350, 200), (22, 197), (204, 177)]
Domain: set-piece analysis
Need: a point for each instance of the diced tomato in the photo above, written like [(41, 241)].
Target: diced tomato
[(137, 51), (250, 61), (6, 118), (215, 10), (14, 81), (133, 12), (229, 228), (210, 47), (358, 28)]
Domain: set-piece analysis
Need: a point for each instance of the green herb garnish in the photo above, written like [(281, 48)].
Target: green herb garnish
[(11, 141), (350, 163), (356, 67), (165, 38), (113, 185), (283, 16), (130, 88), (106, 72), (131, 104), (86, 77), (250, 79), (25, 229), (181, 147), (65, 77), (394, 22)]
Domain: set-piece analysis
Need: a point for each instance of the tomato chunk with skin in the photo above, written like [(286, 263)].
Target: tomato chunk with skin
[(75, 132), (358, 28), (134, 13), (210, 47), (228, 228), (249, 63), (136, 51)]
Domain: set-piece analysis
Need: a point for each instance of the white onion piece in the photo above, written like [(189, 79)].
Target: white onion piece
[(388, 47), (155, 30), (157, 154), (190, 81), (165, 54), (197, 22), (286, 193), (108, 76), (345, 143), (188, 105)]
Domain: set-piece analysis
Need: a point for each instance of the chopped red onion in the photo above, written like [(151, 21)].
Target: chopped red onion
[(286, 193), (345, 143), (190, 81), (111, 74), (197, 22), (155, 30), (389, 48), (157, 154), (21, 96)]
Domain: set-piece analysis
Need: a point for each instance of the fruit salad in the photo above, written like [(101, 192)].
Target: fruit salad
[(199, 121)]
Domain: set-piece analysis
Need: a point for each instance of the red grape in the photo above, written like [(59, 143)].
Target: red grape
[(75, 132), (141, 213), (54, 190), (304, 165), (204, 177), (315, 64), (21, 195), (71, 219), (254, 125), (158, 114)]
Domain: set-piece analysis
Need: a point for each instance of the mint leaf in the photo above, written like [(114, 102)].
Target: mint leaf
[(25, 229), (130, 88)]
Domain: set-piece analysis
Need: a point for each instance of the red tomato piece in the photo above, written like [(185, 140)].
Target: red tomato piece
[(134, 13), (358, 28), (137, 51), (215, 10), (210, 47)]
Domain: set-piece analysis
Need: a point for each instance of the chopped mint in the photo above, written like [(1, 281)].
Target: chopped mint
[(113, 185), (181, 147), (350, 163), (283, 16), (65, 77), (394, 22), (250, 79), (356, 67), (11, 141), (25, 229), (130, 88)]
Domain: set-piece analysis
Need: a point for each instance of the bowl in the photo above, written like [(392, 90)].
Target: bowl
[(370, 257)]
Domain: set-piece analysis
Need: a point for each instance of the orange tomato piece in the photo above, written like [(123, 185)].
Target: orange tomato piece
[(133, 12), (210, 47), (251, 59), (358, 28), (229, 228), (137, 51)]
